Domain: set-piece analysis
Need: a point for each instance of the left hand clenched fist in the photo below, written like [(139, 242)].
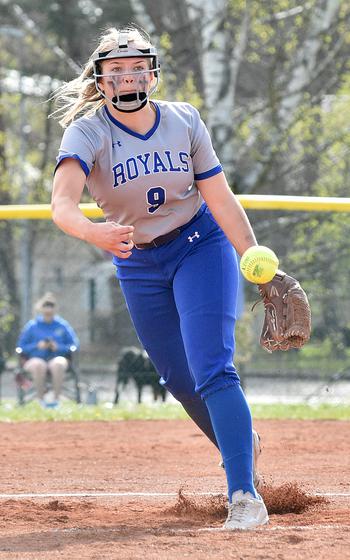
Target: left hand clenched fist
[(112, 237)]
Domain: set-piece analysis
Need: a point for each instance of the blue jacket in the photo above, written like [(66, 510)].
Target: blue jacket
[(37, 329)]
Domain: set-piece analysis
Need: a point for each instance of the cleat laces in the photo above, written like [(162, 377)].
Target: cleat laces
[(237, 511)]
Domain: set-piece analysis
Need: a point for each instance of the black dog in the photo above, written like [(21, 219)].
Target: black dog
[(135, 365)]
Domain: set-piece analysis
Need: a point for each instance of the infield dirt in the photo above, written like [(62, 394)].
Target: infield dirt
[(301, 462)]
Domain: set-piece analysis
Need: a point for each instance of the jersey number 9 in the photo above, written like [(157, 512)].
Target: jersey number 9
[(155, 198)]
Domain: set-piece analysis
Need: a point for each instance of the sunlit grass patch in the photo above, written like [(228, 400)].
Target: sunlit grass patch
[(10, 411), (302, 411)]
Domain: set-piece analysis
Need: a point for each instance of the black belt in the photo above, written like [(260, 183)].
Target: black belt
[(162, 239)]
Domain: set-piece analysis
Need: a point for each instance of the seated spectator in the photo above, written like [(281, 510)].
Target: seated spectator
[(46, 342)]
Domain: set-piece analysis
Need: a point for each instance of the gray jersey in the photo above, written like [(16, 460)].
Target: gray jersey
[(147, 181)]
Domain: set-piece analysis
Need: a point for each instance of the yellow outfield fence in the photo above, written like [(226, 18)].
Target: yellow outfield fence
[(249, 201)]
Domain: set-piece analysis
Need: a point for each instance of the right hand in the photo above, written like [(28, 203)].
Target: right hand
[(42, 344), (112, 237)]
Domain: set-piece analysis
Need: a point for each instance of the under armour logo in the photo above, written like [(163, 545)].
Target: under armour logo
[(191, 238), (117, 143)]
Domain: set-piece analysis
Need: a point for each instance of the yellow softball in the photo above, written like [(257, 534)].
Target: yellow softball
[(259, 264)]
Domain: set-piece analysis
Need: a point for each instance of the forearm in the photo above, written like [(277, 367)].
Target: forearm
[(69, 218), (228, 212), (67, 190), (28, 347), (233, 220)]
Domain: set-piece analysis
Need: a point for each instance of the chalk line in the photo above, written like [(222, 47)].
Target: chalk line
[(38, 495)]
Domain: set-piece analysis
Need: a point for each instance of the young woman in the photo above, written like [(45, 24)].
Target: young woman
[(46, 342), (174, 227)]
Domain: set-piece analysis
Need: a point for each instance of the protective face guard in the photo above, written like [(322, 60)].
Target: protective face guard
[(128, 102)]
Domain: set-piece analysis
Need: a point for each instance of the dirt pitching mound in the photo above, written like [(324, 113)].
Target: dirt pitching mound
[(287, 498)]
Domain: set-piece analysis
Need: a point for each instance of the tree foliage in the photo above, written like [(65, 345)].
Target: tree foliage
[(271, 79)]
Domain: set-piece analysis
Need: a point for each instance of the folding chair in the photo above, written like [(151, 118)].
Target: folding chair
[(24, 384)]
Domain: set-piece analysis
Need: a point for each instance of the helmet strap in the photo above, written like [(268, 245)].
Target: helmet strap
[(130, 102), (119, 102)]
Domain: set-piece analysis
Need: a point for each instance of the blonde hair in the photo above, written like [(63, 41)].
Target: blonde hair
[(47, 298), (79, 96)]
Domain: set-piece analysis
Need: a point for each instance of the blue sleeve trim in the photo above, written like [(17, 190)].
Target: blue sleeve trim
[(207, 174), (74, 156)]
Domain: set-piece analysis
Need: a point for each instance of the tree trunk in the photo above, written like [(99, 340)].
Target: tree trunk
[(302, 74), (183, 26)]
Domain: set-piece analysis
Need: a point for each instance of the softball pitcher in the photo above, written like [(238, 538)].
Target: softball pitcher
[(174, 227)]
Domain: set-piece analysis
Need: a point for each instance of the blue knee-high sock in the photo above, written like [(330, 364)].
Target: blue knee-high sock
[(232, 423)]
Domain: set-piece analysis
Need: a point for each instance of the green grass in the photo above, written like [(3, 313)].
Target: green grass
[(72, 412), (321, 411), (32, 412)]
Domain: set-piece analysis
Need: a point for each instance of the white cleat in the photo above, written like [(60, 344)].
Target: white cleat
[(256, 454), (246, 512)]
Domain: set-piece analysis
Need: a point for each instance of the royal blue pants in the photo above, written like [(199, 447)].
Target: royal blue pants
[(182, 300)]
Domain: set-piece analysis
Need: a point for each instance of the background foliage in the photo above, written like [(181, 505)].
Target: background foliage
[(272, 81)]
